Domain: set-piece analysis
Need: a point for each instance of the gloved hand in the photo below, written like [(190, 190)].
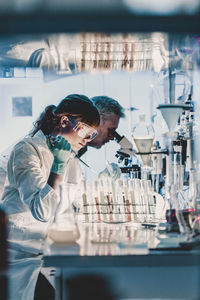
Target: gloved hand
[(61, 151), (112, 170)]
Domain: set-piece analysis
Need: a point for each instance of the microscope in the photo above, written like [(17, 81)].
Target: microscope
[(125, 154)]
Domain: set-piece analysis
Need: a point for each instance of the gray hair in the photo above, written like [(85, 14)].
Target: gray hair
[(108, 106)]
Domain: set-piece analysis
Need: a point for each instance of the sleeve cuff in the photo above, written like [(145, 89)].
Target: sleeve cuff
[(47, 189)]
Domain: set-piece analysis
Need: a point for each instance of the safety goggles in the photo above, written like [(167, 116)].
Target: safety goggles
[(83, 130)]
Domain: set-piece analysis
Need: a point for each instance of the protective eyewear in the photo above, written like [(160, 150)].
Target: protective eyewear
[(83, 130)]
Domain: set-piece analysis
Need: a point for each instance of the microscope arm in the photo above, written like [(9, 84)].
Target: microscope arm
[(126, 149)]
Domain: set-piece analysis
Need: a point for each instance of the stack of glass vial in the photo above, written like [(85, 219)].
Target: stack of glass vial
[(118, 201)]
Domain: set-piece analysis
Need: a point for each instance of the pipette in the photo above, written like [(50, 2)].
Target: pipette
[(76, 155), (53, 139)]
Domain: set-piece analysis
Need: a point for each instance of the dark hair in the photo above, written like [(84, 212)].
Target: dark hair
[(108, 106), (78, 106)]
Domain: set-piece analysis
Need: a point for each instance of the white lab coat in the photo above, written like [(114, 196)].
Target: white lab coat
[(4, 156), (31, 205), (3, 171)]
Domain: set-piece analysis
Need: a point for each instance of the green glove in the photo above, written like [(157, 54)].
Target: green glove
[(61, 150), (112, 170)]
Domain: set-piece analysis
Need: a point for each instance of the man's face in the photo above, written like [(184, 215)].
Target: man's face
[(105, 132)]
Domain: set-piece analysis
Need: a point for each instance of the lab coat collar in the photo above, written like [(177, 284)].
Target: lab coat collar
[(39, 136)]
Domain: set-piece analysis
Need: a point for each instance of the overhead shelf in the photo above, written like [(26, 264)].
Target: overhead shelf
[(102, 22)]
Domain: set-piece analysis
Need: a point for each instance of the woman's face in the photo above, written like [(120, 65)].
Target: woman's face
[(76, 133)]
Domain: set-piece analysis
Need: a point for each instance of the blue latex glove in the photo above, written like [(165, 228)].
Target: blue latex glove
[(112, 171), (61, 150)]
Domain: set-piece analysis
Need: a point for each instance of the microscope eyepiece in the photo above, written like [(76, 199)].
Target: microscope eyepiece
[(117, 136)]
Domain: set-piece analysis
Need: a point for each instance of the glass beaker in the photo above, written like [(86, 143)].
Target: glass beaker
[(143, 138), (65, 226)]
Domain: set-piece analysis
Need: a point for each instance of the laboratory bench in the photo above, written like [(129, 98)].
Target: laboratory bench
[(137, 262)]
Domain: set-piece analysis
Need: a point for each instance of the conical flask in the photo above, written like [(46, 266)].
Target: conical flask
[(143, 138)]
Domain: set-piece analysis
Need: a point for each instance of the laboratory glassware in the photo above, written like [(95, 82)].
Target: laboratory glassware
[(143, 138), (174, 167)]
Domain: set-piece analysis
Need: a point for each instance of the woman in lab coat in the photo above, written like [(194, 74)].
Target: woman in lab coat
[(36, 168)]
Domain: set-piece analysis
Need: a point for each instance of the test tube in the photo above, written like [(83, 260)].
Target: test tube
[(85, 202), (151, 202), (109, 199), (126, 201), (116, 209), (121, 199), (97, 200), (132, 199), (138, 198), (103, 208)]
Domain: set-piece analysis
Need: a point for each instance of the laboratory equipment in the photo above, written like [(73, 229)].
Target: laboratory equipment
[(143, 138), (64, 228), (82, 161), (175, 167), (119, 201), (126, 154), (157, 166), (125, 157), (126, 149), (67, 236), (166, 167), (171, 113)]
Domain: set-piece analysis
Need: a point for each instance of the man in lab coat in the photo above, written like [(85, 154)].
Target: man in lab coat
[(110, 113)]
